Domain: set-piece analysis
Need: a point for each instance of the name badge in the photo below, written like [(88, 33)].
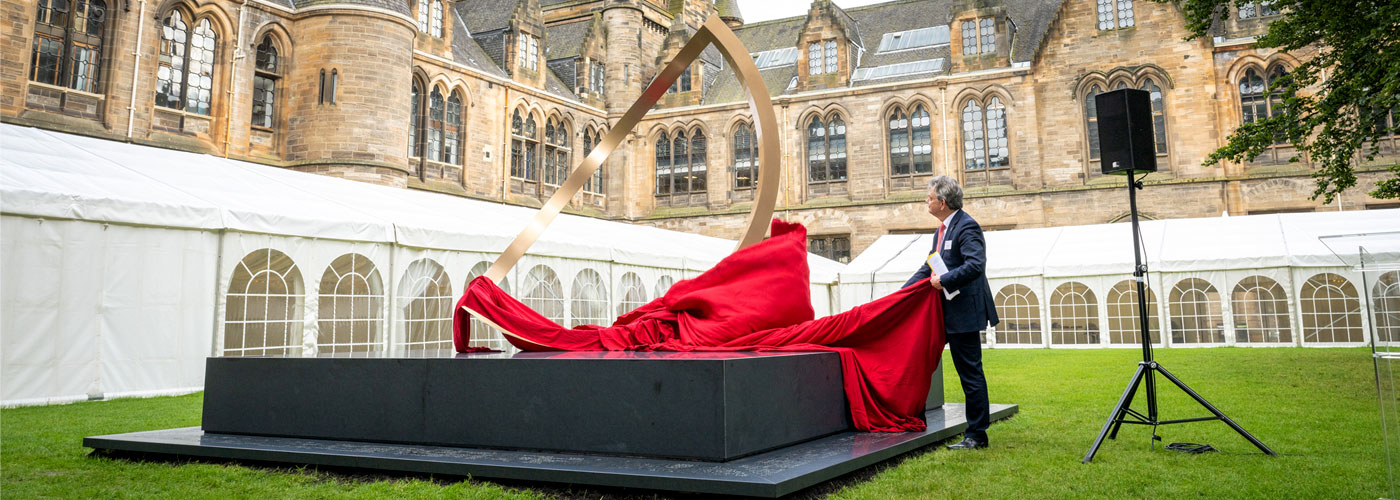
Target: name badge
[(948, 245)]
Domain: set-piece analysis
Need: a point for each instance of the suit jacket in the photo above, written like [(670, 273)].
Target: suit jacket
[(965, 254)]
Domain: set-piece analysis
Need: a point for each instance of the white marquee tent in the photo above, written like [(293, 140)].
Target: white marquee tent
[(122, 267), (1259, 280)]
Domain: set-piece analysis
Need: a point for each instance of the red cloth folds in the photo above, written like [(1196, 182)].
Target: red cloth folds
[(757, 299)]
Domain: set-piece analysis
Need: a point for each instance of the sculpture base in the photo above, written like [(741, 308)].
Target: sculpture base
[(769, 474)]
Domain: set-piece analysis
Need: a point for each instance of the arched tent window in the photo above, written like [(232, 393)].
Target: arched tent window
[(1019, 310), (1331, 310), (267, 71), (1194, 309), (1260, 310), (1091, 126), (826, 150), (68, 44), (544, 293), (426, 300), (985, 143), (350, 316), (745, 157), (911, 142), (452, 130), (595, 182), (1123, 324), (263, 311), (185, 74), (663, 284), (632, 293), (1074, 315), (436, 111), (588, 305), (483, 334), (1385, 296)]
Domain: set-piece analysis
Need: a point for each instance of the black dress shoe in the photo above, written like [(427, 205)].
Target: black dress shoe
[(968, 444)]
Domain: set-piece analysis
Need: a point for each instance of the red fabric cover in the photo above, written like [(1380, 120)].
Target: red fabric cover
[(757, 299)]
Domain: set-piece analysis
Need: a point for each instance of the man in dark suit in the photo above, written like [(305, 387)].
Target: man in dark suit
[(959, 243)]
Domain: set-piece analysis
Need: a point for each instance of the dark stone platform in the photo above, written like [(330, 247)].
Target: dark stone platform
[(698, 405), (768, 474)]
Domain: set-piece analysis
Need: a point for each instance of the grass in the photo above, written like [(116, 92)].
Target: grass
[(1316, 407)]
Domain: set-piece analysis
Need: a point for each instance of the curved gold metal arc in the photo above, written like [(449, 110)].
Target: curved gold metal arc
[(714, 32)]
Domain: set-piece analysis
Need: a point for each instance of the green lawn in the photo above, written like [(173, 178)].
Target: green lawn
[(1317, 407)]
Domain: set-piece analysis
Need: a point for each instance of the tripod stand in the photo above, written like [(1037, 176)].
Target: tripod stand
[(1147, 369)]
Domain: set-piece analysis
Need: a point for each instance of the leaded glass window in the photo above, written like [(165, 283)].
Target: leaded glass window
[(814, 58), (436, 27), (436, 111), (266, 73), (969, 38), (989, 35), (77, 32), (831, 56), (745, 157), (452, 130)]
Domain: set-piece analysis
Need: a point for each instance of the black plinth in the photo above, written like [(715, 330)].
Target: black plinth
[(768, 474), (702, 406)]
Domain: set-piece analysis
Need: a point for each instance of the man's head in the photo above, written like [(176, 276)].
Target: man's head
[(944, 197)]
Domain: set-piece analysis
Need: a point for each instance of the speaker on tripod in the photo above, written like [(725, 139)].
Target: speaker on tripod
[(1125, 132), (1125, 147)]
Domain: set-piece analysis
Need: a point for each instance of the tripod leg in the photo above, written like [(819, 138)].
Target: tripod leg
[(1117, 412), (1132, 392), (1217, 412)]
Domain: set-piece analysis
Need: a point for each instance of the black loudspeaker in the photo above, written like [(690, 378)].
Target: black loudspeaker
[(1125, 131)]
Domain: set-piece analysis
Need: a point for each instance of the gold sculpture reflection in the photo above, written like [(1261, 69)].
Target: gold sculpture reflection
[(714, 31)]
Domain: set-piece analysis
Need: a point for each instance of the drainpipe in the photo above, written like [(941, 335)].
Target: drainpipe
[(943, 90), (238, 55), (135, 70)]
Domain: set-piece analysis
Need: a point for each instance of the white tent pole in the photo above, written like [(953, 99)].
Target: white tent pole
[(217, 332)]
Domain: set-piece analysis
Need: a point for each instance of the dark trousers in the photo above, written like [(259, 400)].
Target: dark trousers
[(967, 358)]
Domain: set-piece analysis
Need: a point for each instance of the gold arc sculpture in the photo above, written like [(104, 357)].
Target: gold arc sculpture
[(715, 32)]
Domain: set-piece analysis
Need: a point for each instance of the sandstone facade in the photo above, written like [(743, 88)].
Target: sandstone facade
[(912, 85)]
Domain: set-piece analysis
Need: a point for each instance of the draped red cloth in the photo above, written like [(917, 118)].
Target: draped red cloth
[(758, 298)]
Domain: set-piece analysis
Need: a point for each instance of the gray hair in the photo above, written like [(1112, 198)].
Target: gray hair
[(947, 190)]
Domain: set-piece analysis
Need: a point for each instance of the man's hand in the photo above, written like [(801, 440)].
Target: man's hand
[(933, 280)]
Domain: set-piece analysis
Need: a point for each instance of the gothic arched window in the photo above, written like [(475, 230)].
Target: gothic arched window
[(745, 157), (415, 120), (76, 33), (595, 182), (185, 75), (266, 72), (911, 145), (1091, 126), (985, 143), (436, 111), (826, 150), (452, 130)]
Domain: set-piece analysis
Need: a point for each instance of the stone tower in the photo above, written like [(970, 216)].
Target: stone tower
[(346, 109)]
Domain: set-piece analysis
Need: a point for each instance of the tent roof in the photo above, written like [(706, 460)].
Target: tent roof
[(1174, 245), (52, 174)]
